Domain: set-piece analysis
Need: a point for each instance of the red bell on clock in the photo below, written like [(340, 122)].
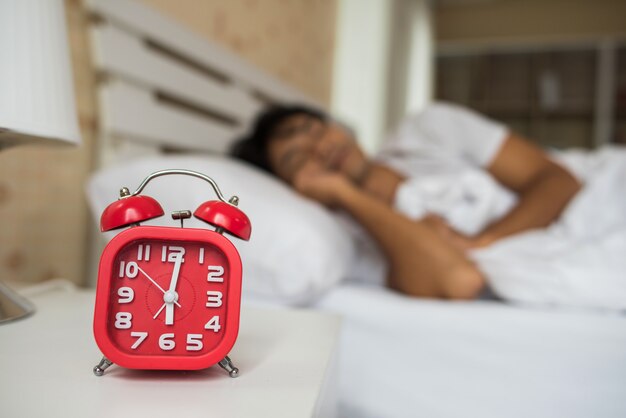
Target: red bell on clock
[(169, 297), (129, 210), (225, 216)]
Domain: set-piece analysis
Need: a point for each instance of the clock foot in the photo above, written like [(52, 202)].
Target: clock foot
[(228, 365), (102, 366)]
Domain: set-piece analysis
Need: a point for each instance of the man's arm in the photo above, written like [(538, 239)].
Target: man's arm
[(421, 262), (544, 189)]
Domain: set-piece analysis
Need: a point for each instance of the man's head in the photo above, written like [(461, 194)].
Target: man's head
[(286, 139)]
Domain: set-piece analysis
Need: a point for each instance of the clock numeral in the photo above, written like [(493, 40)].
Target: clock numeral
[(213, 324), (194, 342), (126, 294), (129, 270), (123, 320), (215, 274), (201, 256), (172, 253), (143, 253), (166, 342), (214, 299), (140, 337)]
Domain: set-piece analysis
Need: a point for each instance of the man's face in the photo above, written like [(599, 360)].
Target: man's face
[(304, 141)]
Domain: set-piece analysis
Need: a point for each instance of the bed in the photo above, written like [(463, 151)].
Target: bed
[(399, 356)]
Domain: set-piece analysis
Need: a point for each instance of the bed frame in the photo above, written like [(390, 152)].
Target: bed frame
[(161, 86)]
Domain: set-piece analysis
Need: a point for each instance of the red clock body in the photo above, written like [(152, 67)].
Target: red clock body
[(167, 298)]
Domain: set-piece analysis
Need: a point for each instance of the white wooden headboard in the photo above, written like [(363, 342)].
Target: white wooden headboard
[(162, 86)]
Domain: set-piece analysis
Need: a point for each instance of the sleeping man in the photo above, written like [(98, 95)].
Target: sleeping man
[(447, 187)]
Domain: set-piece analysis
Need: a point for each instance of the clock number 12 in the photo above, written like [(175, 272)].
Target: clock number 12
[(172, 253)]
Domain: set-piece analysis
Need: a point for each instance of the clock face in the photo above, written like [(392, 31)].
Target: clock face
[(168, 298)]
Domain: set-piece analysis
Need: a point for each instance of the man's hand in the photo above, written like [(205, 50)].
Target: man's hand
[(321, 185)]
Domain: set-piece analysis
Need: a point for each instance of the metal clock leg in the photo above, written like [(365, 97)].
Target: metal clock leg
[(228, 365), (102, 366)]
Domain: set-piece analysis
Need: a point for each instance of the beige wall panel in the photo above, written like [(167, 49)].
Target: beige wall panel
[(529, 19), (42, 209), (291, 39)]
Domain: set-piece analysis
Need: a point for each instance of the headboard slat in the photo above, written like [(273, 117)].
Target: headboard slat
[(134, 112), (168, 88), (151, 25), (125, 56)]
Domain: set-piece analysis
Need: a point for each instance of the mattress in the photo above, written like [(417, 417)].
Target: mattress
[(408, 357)]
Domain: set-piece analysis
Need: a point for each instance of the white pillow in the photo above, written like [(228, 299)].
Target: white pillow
[(297, 250)]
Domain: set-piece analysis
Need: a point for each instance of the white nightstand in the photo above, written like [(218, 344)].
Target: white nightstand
[(286, 361)]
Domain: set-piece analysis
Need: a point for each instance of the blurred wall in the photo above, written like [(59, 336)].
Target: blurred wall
[(496, 55), (291, 39), (361, 74), (375, 86), (44, 221), (528, 19), (43, 215)]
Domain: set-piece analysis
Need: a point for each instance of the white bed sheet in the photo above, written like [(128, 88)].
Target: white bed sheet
[(405, 357)]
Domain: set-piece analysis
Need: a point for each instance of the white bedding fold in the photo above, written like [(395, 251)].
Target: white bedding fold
[(581, 259), (404, 357)]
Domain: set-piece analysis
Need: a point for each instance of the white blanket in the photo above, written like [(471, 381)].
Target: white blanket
[(407, 357), (581, 259)]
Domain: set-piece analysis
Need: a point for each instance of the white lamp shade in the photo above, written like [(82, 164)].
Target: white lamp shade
[(36, 94)]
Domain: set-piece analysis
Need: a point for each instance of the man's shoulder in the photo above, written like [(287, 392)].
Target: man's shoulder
[(436, 113), (441, 116), (422, 128), (439, 109)]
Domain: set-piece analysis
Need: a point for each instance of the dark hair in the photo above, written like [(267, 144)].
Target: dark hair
[(253, 147)]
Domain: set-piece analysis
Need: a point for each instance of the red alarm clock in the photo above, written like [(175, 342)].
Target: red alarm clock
[(168, 298)]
